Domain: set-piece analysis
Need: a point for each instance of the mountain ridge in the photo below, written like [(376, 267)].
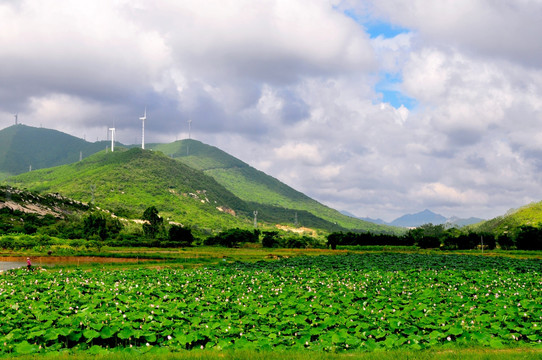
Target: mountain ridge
[(274, 200), (426, 217), (23, 147)]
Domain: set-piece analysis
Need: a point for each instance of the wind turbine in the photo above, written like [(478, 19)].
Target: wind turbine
[(188, 143), (112, 139), (143, 118)]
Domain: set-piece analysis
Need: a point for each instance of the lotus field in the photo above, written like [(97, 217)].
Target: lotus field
[(357, 302)]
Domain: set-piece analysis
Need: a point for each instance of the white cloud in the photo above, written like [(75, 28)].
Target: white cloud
[(441, 193), (289, 87), (306, 153), (507, 29)]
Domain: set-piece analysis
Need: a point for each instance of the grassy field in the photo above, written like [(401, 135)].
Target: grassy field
[(458, 354)]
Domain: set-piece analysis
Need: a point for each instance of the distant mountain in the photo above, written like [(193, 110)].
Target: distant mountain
[(421, 218), (25, 147), (375, 221), (458, 222)]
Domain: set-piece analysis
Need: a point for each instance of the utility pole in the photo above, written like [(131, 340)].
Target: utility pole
[(255, 219)]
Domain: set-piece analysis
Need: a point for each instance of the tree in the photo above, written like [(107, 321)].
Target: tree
[(529, 238), (233, 237), (427, 235), (95, 225), (180, 235), (334, 239), (506, 242), (153, 224), (113, 226), (271, 239)]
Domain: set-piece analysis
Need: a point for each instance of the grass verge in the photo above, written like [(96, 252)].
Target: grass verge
[(164, 354)]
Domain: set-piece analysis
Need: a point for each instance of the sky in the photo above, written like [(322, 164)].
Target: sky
[(376, 107)]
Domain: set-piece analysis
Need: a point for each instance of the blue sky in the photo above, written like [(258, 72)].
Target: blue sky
[(389, 83), (389, 87)]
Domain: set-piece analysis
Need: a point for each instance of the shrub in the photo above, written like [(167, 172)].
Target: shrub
[(505, 241), (429, 242), (233, 237), (180, 236), (529, 238), (95, 225), (154, 225), (270, 239)]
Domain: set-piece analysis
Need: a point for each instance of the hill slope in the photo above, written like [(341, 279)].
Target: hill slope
[(530, 214), (255, 186), (22, 211), (23, 146), (127, 182)]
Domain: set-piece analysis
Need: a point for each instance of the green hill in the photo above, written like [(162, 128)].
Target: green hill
[(254, 186), (22, 147), (530, 214), (129, 181), (248, 189)]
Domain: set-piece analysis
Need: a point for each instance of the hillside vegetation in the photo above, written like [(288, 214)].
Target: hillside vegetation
[(246, 188), (22, 147), (254, 186), (127, 182), (528, 215)]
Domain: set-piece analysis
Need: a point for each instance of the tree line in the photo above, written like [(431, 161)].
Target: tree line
[(428, 236), (101, 228)]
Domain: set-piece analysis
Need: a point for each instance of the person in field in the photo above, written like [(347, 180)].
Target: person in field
[(28, 264)]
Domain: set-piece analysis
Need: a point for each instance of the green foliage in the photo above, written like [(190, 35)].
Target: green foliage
[(506, 241), (273, 239), (98, 225), (363, 302), (25, 242), (154, 223), (528, 215), (233, 237), (270, 239), (180, 236), (95, 225), (426, 236), (367, 239), (134, 179), (299, 242), (264, 191), (35, 213), (529, 238)]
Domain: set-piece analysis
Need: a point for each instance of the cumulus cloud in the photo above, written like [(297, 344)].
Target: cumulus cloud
[(290, 87), (506, 29)]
